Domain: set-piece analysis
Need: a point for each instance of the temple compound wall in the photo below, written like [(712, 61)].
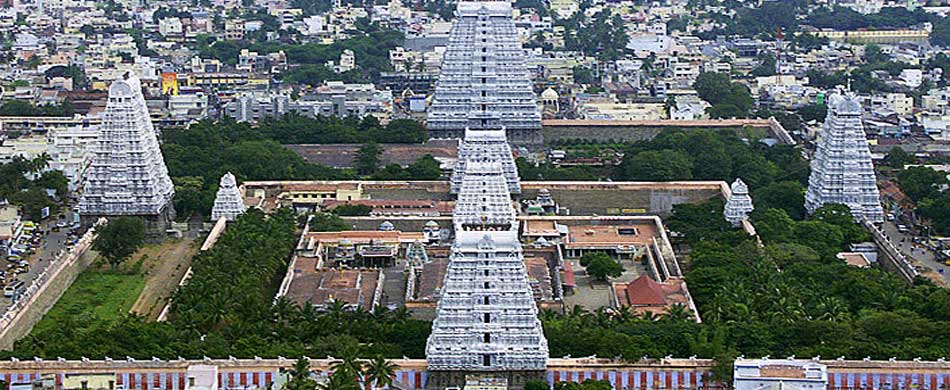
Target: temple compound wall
[(555, 130), (411, 374)]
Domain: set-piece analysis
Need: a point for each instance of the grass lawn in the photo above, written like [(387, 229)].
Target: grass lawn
[(96, 292)]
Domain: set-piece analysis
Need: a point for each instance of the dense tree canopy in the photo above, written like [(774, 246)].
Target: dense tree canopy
[(728, 99), (227, 308), (119, 238), (24, 183), (710, 155), (197, 156)]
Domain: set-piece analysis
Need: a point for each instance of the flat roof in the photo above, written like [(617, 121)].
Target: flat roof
[(602, 236), (322, 287)]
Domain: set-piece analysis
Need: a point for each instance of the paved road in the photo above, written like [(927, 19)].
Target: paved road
[(920, 256), (50, 245)]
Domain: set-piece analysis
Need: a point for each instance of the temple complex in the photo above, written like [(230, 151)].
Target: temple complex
[(841, 169), (486, 319), (484, 81), (486, 145), (127, 176), (738, 203), (228, 202)]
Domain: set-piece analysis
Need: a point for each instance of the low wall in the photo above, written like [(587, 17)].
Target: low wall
[(650, 374), (208, 243), (45, 290), (629, 131)]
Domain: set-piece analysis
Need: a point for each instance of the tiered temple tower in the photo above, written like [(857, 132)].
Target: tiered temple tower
[(738, 204), (484, 81), (841, 169), (128, 175), (227, 202), (486, 145), (486, 320)]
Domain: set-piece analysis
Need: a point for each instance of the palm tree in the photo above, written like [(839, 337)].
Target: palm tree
[(380, 372), (677, 312), (300, 376), (339, 381), (39, 163), (348, 365)]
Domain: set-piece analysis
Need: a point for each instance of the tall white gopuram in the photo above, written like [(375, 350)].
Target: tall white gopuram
[(128, 175), (841, 169), (738, 204), (484, 81), (227, 202), (486, 145), (487, 319)]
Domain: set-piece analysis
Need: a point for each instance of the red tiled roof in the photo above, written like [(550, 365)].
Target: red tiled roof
[(645, 291), (568, 275)]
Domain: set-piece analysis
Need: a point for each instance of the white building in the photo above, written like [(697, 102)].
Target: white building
[(128, 175), (738, 203), (841, 169), (484, 81), (170, 27), (767, 374), (486, 319), (228, 203), (71, 152), (484, 146)]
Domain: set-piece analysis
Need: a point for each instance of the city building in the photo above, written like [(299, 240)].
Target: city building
[(484, 82), (335, 98), (127, 176), (841, 169), (228, 203)]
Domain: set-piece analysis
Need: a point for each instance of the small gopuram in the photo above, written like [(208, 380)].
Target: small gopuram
[(738, 204), (486, 320), (127, 176), (486, 145), (841, 169), (484, 81), (227, 202)]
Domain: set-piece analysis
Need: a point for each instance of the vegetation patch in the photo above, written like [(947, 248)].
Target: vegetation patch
[(97, 295)]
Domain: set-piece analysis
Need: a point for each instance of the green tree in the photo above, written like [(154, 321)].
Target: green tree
[(54, 180), (119, 238), (785, 195), (601, 266), (352, 210), (300, 376), (657, 165), (190, 197), (896, 158), (380, 372), (920, 183), (536, 384), (367, 158)]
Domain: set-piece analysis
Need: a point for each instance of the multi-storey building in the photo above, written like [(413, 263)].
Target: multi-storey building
[(841, 169), (333, 99), (128, 176), (484, 82), (486, 319), (486, 145)]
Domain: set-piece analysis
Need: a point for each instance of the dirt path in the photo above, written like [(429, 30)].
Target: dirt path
[(163, 266)]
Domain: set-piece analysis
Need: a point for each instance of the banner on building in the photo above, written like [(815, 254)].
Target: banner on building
[(169, 83)]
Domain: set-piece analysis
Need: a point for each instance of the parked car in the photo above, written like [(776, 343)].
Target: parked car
[(13, 288)]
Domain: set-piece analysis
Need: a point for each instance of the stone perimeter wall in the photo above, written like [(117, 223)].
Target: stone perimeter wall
[(60, 275), (629, 131)]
